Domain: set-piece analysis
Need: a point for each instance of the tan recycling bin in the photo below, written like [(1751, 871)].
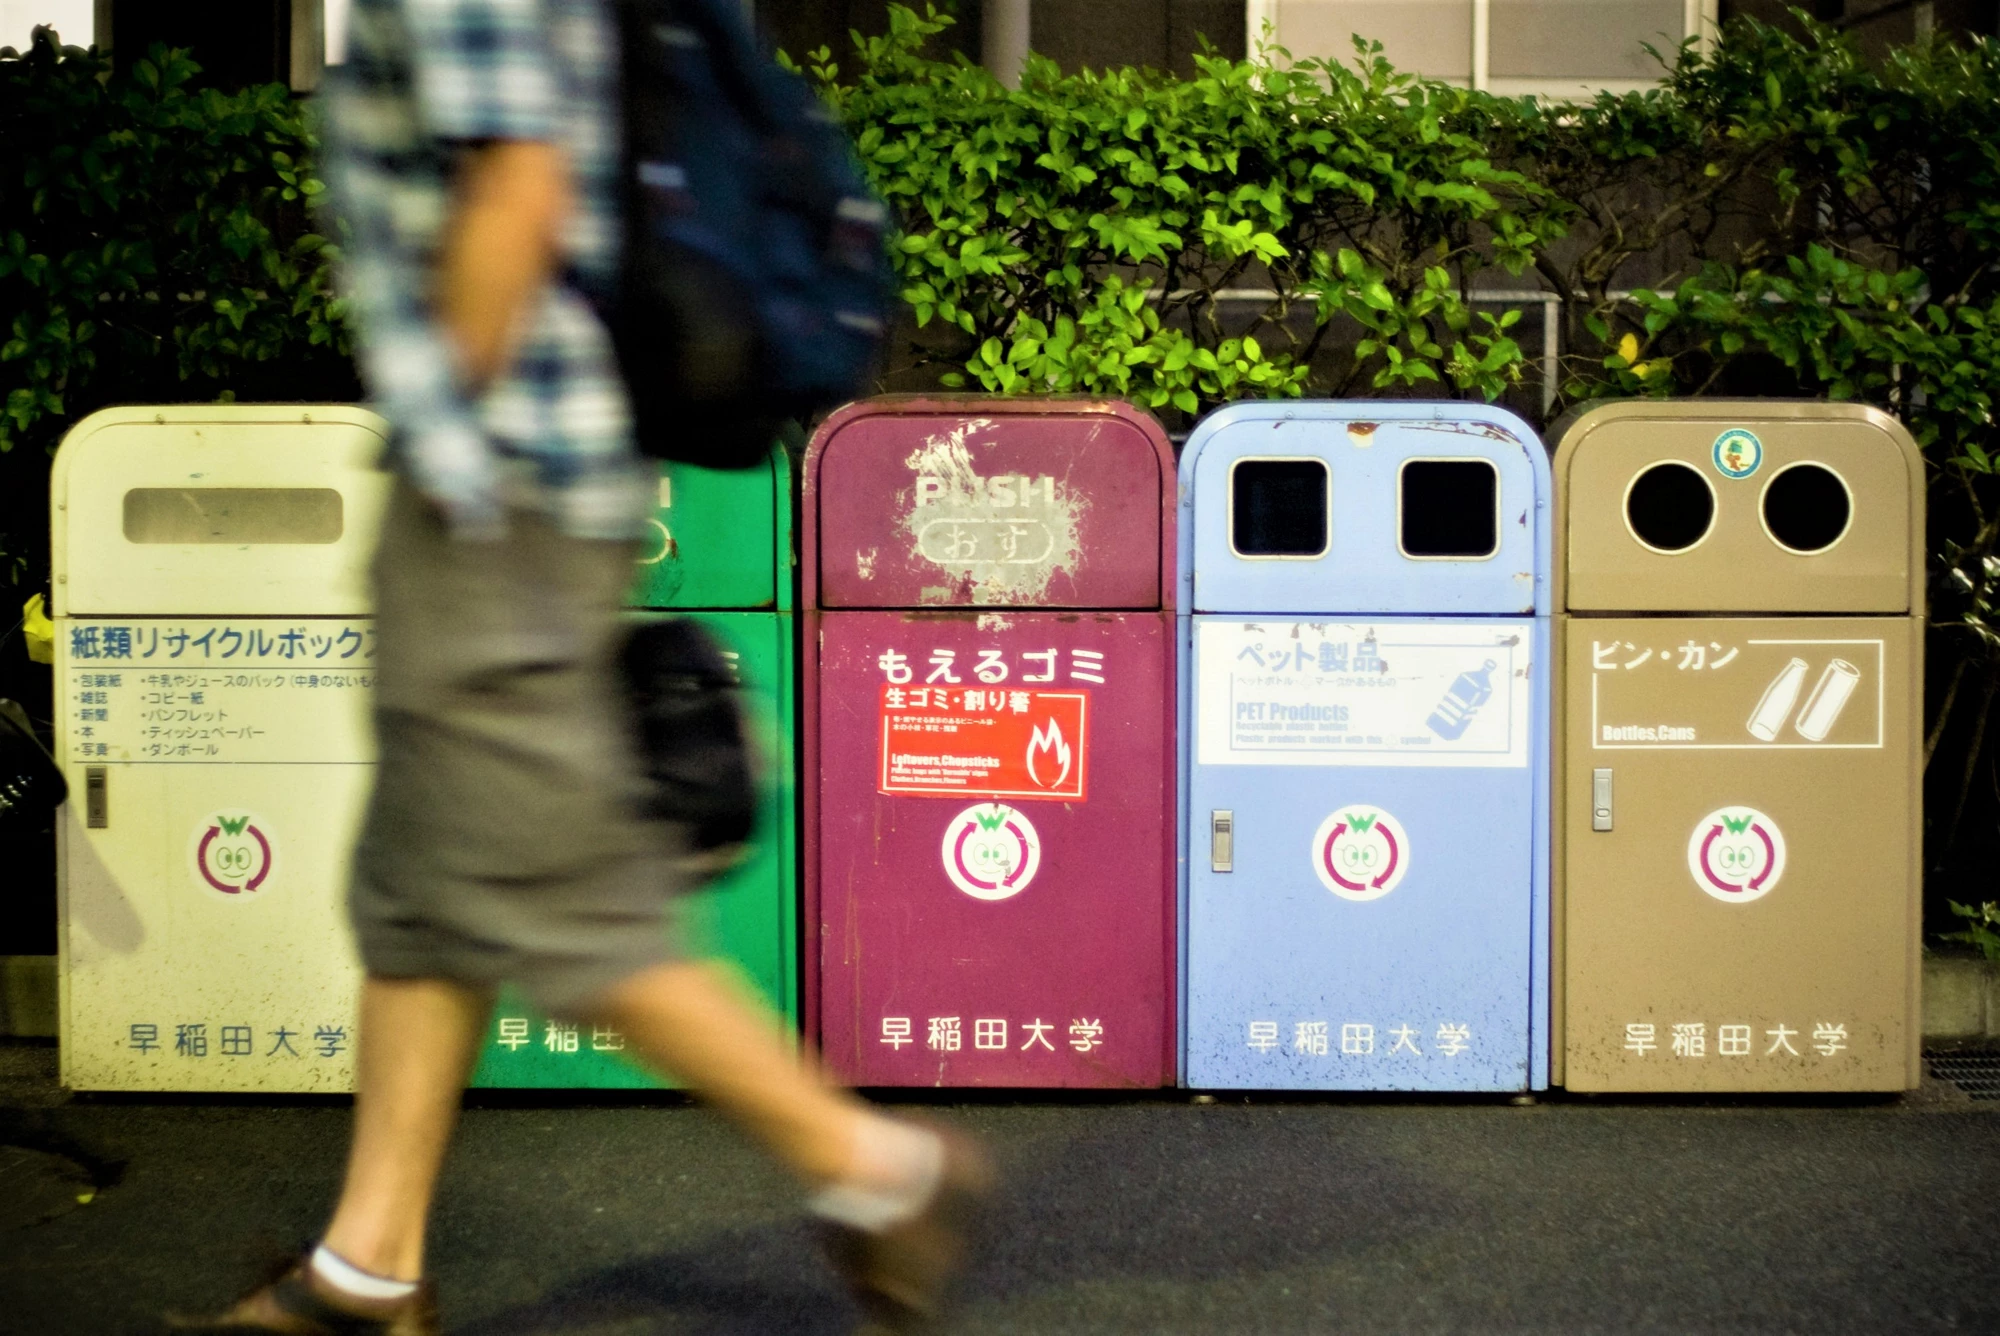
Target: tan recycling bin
[(1739, 625), (214, 668)]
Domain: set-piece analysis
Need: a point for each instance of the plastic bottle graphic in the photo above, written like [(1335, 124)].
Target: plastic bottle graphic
[(1829, 697), (1776, 706), (1453, 714)]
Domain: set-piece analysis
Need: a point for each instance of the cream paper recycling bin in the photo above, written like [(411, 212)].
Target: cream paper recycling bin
[(213, 673), (1739, 625)]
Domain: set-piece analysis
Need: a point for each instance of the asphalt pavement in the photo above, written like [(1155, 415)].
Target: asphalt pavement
[(641, 1216)]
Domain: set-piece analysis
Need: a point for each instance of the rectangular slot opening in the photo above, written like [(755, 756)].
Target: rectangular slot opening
[(233, 515), (1449, 509), (1278, 507)]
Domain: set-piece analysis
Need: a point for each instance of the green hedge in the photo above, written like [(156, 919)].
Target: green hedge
[(154, 247), (1777, 218), (1796, 220)]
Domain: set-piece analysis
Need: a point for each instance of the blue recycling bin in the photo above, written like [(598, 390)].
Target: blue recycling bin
[(1364, 749)]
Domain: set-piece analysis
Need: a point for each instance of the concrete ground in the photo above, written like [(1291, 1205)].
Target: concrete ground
[(1151, 1214)]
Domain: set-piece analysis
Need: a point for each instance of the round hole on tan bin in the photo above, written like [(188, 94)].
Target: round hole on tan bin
[(1670, 507), (1807, 508)]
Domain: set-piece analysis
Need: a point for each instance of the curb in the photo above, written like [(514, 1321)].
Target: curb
[(1961, 997), (28, 997)]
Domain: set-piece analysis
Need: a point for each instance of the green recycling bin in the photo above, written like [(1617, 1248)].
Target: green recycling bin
[(719, 551)]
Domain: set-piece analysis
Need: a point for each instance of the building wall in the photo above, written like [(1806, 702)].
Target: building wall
[(799, 26), (1162, 34), (1880, 25), (236, 42), (246, 41), (73, 20), (1077, 34)]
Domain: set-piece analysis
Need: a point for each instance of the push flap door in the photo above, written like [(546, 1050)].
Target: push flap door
[(926, 504)]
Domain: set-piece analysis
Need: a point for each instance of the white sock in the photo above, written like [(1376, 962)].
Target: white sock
[(893, 1174), (350, 1279)]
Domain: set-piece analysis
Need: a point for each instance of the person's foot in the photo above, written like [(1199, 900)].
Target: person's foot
[(902, 1274), (299, 1303)]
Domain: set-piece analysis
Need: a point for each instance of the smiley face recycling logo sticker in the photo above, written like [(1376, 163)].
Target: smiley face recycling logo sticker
[(991, 851), (1360, 852), (233, 855), (1737, 854)]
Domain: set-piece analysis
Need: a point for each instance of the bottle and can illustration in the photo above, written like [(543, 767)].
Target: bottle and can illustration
[(1823, 706), (1829, 697), (1768, 719), (1453, 714)]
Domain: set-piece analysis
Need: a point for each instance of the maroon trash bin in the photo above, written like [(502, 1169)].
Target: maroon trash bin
[(989, 744)]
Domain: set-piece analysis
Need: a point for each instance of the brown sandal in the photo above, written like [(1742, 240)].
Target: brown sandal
[(297, 1303), (902, 1276)]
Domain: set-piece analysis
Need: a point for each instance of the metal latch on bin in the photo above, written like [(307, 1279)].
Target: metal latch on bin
[(1221, 840), (1600, 800)]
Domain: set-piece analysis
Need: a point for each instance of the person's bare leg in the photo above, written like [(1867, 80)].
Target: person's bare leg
[(699, 1023), (896, 1198), (417, 1043)]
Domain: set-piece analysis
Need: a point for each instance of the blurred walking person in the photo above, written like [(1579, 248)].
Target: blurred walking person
[(475, 154)]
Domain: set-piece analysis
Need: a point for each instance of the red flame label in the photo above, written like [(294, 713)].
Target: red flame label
[(1048, 756), (1023, 743)]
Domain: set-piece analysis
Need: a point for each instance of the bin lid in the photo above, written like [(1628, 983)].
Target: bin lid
[(1365, 507), (719, 538), (218, 510), (1740, 506), (915, 502)]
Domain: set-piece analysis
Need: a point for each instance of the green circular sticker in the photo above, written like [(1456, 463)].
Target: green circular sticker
[(1738, 453)]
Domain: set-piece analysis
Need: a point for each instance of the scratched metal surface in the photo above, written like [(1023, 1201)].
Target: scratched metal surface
[(1047, 527), (1816, 973), (1364, 445), (1424, 988), (990, 509), (1084, 940), (1435, 978)]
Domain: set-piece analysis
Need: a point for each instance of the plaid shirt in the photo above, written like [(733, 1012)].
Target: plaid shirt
[(424, 79)]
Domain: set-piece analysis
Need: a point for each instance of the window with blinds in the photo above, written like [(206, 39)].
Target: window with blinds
[(1554, 48)]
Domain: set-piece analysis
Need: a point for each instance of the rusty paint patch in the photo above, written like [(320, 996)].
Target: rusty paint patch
[(1000, 538), (1457, 427)]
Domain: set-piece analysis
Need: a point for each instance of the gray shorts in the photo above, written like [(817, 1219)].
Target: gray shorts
[(502, 843)]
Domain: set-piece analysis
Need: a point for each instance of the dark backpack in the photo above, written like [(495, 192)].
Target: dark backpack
[(683, 699), (756, 280)]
